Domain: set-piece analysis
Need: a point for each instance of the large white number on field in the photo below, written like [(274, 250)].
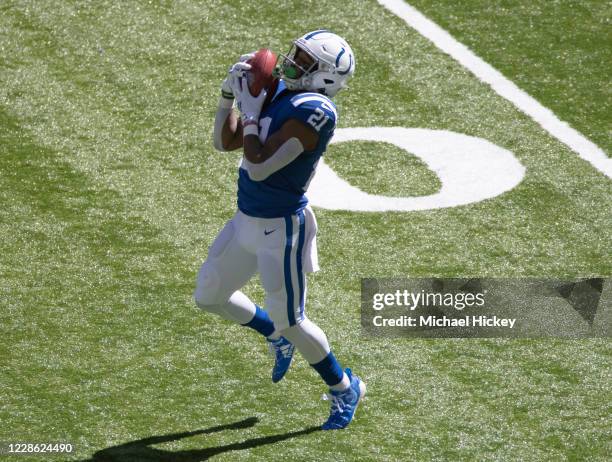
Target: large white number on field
[(470, 170)]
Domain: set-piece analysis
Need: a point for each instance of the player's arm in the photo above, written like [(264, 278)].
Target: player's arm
[(257, 153), (280, 149), (227, 132), (227, 135)]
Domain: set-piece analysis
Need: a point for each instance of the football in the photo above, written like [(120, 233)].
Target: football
[(262, 66)]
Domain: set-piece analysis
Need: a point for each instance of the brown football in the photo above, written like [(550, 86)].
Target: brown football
[(262, 67)]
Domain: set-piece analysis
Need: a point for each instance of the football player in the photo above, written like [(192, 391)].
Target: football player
[(282, 134)]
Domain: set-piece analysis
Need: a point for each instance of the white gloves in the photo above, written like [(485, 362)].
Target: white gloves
[(248, 105), (237, 70), (236, 86)]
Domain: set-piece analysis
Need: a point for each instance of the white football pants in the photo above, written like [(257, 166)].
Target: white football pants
[(282, 250)]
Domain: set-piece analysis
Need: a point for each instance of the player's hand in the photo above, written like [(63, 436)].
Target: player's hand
[(249, 105), (235, 71)]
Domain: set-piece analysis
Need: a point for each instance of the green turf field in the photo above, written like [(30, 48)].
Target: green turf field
[(111, 192)]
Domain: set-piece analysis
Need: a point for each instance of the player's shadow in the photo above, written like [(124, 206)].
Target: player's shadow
[(140, 450)]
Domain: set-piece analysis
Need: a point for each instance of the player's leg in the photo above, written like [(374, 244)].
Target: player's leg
[(280, 262), (229, 266), (284, 279)]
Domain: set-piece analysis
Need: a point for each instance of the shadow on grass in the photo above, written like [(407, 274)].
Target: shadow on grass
[(139, 450)]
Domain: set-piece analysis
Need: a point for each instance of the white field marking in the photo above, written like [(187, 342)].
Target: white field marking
[(577, 142), (470, 169)]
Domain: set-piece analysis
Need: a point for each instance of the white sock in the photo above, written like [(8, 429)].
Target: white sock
[(343, 385), (239, 308), (309, 340)]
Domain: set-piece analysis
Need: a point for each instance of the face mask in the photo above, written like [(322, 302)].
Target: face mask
[(289, 68)]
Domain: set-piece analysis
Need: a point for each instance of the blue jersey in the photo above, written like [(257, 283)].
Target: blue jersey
[(282, 193)]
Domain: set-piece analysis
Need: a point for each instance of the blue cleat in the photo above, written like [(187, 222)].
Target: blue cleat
[(344, 403), (282, 349)]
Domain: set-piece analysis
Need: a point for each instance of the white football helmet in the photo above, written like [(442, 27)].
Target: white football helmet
[(333, 66)]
